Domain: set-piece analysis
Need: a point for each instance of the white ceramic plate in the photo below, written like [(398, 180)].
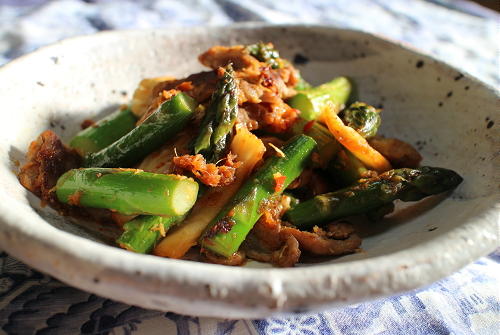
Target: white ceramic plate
[(427, 103)]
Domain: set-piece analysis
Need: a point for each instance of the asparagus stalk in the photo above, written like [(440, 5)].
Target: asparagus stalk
[(346, 169), (217, 125), (164, 123), (328, 146), (127, 191), (142, 233), (363, 118), (227, 231), (404, 184), (302, 84), (105, 132), (311, 102)]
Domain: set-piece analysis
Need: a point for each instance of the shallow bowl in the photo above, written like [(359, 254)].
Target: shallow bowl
[(451, 117)]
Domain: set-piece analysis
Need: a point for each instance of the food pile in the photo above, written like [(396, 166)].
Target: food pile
[(244, 161)]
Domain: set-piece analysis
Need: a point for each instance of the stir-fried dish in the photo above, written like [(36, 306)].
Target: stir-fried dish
[(244, 161)]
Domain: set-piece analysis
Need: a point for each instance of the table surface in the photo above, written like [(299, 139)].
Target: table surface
[(457, 31)]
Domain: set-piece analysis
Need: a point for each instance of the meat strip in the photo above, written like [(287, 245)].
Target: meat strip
[(209, 174), (47, 159)]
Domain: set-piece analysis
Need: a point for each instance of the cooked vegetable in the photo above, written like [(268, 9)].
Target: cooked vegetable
[(127, 191), (220, 117), (346, 169), (363, 118), (302, 85), (143, 95), (328, 146), (367, 196), (249, 150), (311, 102), (164, 123), (354, 142), (227, 231), (104, 132), (265, 52), (142, 233)]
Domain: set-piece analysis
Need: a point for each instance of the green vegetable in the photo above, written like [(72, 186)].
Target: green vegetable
[(346, 169), (363, 118), (105, 132), (227, 231), (328, 146), (302, 85), (170, 118), (311, 102), (127, 191), (265, 53), (217, 125), (142, 233), (404, 184)]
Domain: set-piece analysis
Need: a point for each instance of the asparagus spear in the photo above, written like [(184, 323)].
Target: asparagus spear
[(265, 53), (346, 169), (328, 146), (105, 132), (142, 233), (302, 85), (311, 102), (227, 231), (363, 118), (217, 125), (127, 191), (404, 184), (164, 123)]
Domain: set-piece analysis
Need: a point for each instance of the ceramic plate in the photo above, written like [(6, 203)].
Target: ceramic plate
[(451, 117)]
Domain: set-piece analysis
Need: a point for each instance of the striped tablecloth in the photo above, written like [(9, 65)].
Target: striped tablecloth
[(463, 34)]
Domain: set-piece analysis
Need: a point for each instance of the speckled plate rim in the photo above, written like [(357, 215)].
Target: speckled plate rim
[(213, 290)]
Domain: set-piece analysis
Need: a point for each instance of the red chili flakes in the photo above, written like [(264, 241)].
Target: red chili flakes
[(74, 199), (308, 126), (279, 182), (266, 78), (185, 86)]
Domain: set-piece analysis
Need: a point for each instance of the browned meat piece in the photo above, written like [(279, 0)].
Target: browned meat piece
[(400, 154), (310, 183), (259, 85), (276, 118), (338, 230), (303, 180), (220, 56), (201, 87), (245, 120), (267, 229), (236, 259), (263, 86), (47, 159), (256, 77), (287, 256), (270, 240), (322, 245), (209, 174)]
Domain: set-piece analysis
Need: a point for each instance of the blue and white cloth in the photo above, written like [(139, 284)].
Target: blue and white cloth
[(461, 33)]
